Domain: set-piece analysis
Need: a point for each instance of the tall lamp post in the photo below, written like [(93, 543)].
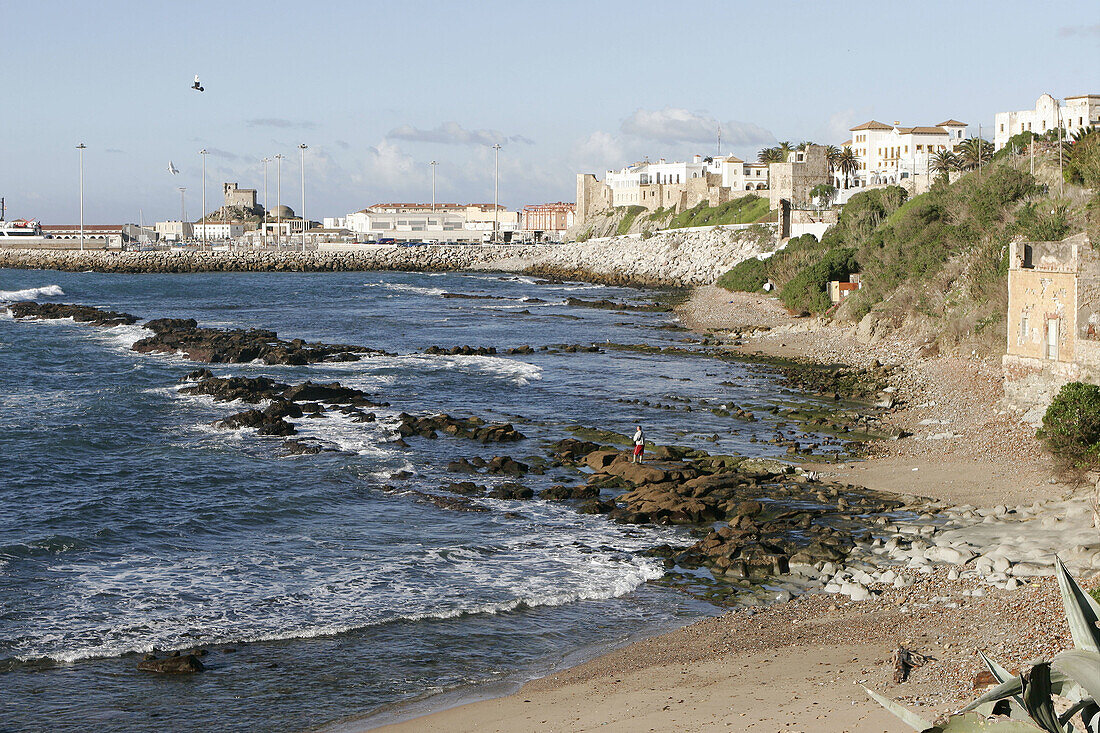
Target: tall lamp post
[(203, 153), (263, 236), (305, 223), (81, 147), (183, 210), (433, 164), (496, 175), (279, 195)]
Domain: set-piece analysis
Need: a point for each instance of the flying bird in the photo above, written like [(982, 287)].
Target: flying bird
[(197, 86), (172, 168)]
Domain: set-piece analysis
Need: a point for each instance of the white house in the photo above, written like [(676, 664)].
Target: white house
[(1077, 112), (626, 183), (739, 175), (891, 153), (173, 231), (219, 230)]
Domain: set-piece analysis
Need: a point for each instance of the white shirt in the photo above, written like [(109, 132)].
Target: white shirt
[(639, 437)]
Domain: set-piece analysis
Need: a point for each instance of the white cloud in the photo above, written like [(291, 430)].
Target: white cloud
[(676, 125), (452, 133)]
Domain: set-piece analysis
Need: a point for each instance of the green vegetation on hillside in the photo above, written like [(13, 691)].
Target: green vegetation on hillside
[(744, 210), (938, 260), (628, 219)]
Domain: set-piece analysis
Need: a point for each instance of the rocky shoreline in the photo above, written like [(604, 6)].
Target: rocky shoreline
[(671, 259)]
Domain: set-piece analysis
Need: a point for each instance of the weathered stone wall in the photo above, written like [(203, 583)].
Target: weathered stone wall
[(677, 258)]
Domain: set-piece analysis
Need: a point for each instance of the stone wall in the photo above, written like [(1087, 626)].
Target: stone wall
[(679, 258)]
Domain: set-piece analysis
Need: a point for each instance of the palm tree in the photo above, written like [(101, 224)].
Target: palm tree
[(971, 151), (943, 162), (832, 152), (847, 163), (784, 151), (770, 155)]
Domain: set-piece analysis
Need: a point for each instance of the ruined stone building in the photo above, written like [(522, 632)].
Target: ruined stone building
[(244, 198), (1053, 320)]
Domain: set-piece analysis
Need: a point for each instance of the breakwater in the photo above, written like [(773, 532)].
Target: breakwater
[(672, 259)]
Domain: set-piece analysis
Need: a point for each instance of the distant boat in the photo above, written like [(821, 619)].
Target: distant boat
[(20, 228)]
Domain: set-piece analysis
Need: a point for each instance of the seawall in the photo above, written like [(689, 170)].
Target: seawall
[(672, 259)]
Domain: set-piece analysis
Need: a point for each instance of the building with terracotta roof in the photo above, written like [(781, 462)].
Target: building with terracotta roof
[(891, 154), (548, 221), (1072, 114)]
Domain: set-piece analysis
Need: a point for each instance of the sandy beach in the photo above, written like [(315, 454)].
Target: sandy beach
[(797, 666)]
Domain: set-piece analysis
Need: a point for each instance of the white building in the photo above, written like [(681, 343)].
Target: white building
[(738, 175), (174, 231), (218, 230), (1076, 113), (420, 222), (889, 154), (626, 183)]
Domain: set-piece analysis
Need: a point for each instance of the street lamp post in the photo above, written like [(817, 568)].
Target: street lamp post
[(305, 224), (81, 147), (433, 164), (183, 210), (203, 153), (496, 175), (263, 235), (279, 195)]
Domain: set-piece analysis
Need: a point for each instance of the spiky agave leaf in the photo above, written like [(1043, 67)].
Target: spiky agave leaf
[(1060, 684), (1038, 699), (906, 716), (975, 723), (1082, 667), (1002, 675), (1082, 611)]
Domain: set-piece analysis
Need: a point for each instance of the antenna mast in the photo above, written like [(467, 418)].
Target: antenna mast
[(719, 139)]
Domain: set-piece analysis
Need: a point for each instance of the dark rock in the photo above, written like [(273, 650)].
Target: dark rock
[(79, 313), (559, 492), (179, 664), (509, 490), (507, 466)]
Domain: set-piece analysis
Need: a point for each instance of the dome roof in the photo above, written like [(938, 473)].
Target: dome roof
[(281, 211)]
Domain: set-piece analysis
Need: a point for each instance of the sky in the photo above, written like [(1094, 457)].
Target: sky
[(377, 90)]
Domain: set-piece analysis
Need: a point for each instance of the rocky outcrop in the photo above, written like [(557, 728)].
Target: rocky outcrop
[(675, 258), (473, 428), (79, 313), (238, 346)]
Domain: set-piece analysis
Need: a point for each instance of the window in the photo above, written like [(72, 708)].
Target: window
[(1002, 127), (1023, 328)]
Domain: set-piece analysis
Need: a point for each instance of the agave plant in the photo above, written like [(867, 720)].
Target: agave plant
[(1073, 674)]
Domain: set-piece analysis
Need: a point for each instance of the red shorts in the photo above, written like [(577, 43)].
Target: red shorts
[(638, 450)]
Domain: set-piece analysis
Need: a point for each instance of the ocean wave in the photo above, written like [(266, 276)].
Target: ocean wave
[(179, 602), (403, 288), (361, 374), (31, 293)]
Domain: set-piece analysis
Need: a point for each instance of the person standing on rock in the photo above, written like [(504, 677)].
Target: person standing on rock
[(639, 445)]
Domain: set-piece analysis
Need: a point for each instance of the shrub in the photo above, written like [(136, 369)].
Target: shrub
[(1071, 426), (1082, 163), (808, 290), (748, 276)]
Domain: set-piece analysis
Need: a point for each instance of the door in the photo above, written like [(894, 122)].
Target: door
[(1052, 338)]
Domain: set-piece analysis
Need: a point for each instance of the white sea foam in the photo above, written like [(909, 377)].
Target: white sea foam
[(548, 565), (123, 336), (403, 288), (31, 293)]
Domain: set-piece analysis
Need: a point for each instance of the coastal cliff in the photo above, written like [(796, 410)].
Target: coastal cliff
[(670, 259)]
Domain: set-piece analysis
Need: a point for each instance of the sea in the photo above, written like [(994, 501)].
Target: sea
[(323, 588)]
